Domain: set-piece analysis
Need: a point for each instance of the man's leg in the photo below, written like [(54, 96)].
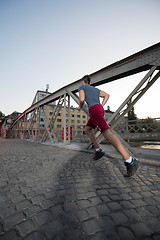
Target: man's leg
[(131, 163), (91, 135), (98, 153), (116, 143)]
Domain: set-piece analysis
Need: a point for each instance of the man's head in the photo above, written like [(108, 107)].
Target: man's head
[(86, 80)]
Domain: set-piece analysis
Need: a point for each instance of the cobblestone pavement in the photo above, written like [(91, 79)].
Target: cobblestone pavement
[(53, 193)]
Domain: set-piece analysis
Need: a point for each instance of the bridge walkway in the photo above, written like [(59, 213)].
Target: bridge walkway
[(145, 155), (52, 193)]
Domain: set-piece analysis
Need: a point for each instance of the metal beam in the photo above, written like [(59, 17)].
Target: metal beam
[(141, 61), (147, 59), (52, 120), (65, 122), (69, 120), (120, 112)]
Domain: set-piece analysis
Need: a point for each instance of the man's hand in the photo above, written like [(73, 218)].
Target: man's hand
[(105, 97)]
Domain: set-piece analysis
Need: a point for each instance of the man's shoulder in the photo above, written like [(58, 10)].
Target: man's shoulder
[(87, 87), (82, 87)]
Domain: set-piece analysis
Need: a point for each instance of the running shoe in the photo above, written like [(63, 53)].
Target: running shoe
[(132, 167), (98, 154)]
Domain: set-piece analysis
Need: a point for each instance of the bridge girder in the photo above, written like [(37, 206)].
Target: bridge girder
[(145, 60)]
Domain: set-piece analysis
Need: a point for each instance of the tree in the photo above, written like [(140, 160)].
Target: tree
[(132, 115), (132, 121), (2, 116)]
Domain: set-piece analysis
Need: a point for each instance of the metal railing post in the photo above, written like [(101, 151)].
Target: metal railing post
[(65, 119), (69, 121)]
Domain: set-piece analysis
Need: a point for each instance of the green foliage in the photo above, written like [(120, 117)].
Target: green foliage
[(132, 115), (2, 117)]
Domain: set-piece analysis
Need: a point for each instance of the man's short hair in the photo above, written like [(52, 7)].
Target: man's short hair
[(86, 79)]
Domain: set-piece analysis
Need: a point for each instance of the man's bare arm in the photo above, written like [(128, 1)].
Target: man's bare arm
[(81, 99), (105, 97)]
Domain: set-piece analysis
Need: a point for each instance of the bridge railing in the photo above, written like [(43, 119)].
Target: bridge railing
[(148, 128)]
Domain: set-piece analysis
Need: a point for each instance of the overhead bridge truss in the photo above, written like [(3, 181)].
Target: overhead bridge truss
[(147, 60)]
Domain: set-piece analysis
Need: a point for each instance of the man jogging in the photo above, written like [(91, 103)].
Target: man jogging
[(92, 97)]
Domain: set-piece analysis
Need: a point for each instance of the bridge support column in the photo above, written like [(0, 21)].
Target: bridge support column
[(67, 122), (65, 119)]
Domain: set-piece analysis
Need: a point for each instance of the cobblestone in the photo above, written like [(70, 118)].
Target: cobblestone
[(36, 236), (26, 227), (49, 193), (13, 220)]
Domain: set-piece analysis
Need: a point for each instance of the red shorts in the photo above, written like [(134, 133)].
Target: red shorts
[(97, 118)]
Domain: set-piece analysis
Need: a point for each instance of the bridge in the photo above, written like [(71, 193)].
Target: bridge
[(52, 193), (27, 125)]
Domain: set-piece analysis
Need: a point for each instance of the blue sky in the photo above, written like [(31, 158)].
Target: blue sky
[(56, 42)]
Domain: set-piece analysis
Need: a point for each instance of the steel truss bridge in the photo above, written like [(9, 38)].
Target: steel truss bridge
[(147, 60)]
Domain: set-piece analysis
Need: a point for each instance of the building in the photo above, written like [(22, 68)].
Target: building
[(51, 112), (108, 113), (8, 122), (50, 117)]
